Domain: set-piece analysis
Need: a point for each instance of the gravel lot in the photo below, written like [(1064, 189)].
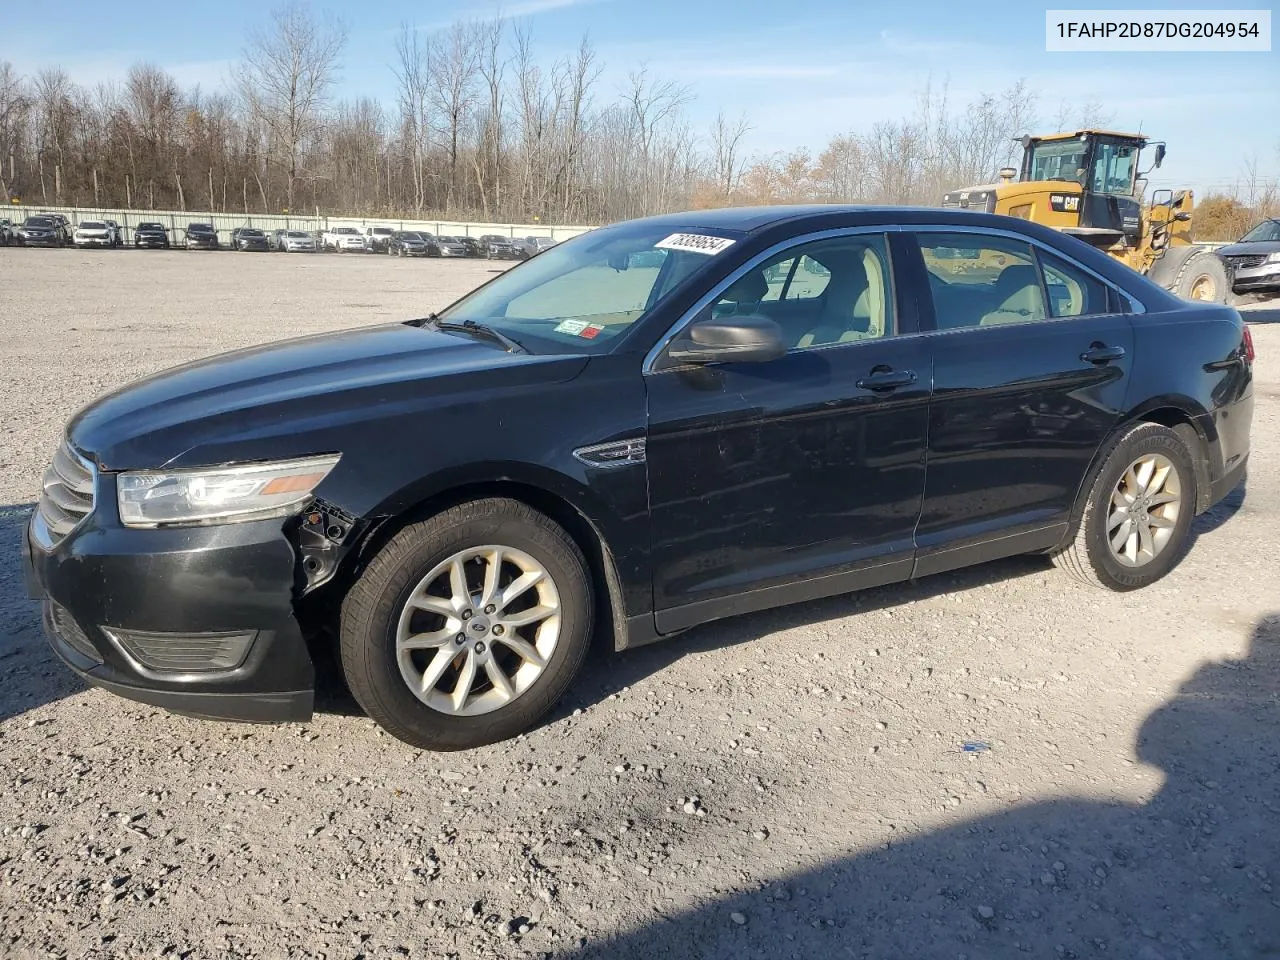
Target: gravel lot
[(788, 784)]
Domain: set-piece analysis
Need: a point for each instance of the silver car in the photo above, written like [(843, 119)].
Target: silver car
[(446, 247), (1255, 259), (93, 233), (297, 241)]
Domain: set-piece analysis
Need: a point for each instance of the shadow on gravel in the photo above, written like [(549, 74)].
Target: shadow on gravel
[(30, 674), (1192, 873), (606, 672)]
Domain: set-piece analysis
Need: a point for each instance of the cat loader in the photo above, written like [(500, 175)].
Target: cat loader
[(1087, 183)]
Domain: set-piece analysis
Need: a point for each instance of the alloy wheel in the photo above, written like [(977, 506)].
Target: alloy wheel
[(478, 630), (1144, 510)]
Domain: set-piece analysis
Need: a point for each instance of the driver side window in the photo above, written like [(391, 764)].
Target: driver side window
[(820, 294)]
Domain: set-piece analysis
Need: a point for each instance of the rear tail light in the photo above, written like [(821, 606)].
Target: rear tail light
[(1247, 344)]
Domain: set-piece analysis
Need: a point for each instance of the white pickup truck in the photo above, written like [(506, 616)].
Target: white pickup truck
[(342, 239)]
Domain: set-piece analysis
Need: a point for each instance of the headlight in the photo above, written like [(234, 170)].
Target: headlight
[(1273, 257), (208, 495)]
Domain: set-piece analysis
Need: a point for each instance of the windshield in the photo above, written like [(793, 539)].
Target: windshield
[(38, 222), (382, 231), (581, 295), (1267, 230), (150, 226), (347, 230), (93, 225), (200, 228), (1058, 160), (408, 236), (298, 235)]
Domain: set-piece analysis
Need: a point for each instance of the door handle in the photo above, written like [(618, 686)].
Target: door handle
[(882, 378), (1100, 353)]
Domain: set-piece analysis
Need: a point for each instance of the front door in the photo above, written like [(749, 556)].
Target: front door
[(1030, 375), (800, 477)]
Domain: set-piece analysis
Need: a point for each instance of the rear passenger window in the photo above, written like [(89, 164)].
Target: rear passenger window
[(981, 280), (1072, 292)]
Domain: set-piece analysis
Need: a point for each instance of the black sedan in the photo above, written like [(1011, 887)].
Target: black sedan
[(200, 236), (42, 232), (652, 425), (407, 243), (249, 238), (153, 235), (1255, 259)]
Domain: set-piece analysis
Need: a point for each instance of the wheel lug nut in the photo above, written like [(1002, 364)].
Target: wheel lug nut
[(468, 614), (480, 647), (460, 638), (498, 630), (490, 608)]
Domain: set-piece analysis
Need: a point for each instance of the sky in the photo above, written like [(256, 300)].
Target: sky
[(800, 73)]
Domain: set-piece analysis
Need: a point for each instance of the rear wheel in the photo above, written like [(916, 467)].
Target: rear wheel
[(1133, 527), (466, 628)]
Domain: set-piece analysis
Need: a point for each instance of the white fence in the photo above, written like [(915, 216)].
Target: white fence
[(225, 222)]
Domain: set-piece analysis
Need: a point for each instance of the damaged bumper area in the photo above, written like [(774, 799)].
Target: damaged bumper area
[(198, 620)]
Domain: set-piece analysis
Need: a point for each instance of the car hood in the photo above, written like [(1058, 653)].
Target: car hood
[(1251, 249), (300, 397)]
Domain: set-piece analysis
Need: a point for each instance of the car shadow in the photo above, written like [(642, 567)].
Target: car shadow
[(1266, 314), (1190, 873), (30, 674), (606, 672)]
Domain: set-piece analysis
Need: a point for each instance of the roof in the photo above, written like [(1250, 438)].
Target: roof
[(751, 219), (1073, 134)]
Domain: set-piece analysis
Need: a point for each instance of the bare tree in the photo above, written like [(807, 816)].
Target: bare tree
[(14, 104), (453, 93), (413, 73), (285, 80), (726, 146)]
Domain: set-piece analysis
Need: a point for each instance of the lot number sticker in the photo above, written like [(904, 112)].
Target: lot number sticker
[(694, 243)]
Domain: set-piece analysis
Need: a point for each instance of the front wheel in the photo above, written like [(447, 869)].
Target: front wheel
[(466, 628), (1134, 526)]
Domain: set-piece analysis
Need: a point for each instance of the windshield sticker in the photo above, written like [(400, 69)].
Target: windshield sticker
[(695, 243), (579, 328)]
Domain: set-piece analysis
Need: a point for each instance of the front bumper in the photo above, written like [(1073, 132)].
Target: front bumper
[(189, 585), (300, 248), (49, 241), (1262, 278), (92, 241), (152, 242)]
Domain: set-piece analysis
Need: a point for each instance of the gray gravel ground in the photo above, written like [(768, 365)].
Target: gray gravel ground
[(787, 784)]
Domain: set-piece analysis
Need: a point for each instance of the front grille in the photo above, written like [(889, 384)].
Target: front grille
[(59, 622), (66, 496), (1246, 263)]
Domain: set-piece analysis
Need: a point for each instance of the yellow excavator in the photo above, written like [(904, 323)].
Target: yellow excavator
[(1087, 183)]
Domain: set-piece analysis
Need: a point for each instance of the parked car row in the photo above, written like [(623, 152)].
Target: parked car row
[(54, 230)]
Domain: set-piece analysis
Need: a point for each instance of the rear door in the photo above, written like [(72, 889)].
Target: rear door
[(1031, 370)]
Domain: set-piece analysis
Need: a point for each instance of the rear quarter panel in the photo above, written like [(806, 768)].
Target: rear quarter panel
[(1190, 358)]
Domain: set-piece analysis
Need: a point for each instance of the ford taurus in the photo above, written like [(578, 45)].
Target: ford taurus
[(650, 426)]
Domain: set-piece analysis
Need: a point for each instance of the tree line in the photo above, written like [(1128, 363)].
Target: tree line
[(481, 128)]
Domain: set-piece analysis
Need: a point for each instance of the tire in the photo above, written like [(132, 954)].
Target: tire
[(372, 616), (1204, 277), (1089, 556)]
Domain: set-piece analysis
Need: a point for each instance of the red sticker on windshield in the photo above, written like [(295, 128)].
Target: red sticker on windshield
[(590, 333)]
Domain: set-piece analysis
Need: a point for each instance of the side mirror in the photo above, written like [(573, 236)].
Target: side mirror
[(737, 339), (1159, 154)]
